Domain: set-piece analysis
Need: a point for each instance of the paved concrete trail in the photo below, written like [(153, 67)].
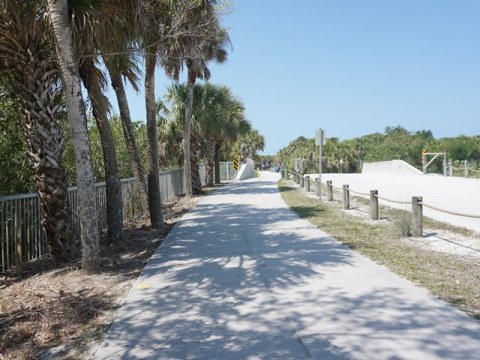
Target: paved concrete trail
[(242, 277)]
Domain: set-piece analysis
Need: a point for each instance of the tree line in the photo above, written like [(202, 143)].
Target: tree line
[(395, 142), (49, 51)]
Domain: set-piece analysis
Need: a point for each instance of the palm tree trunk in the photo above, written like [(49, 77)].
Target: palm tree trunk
[(45, 140), (195, 163), (100, 107), (34, 80), (154, 200), (58, 10), (216, 159), (129, 136), (187, 166), (209, 163)]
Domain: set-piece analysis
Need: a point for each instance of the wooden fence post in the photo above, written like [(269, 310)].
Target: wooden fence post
[(307, 178), (346, 197), (374, 204), (417, 216), (302, 181), (329, 190)]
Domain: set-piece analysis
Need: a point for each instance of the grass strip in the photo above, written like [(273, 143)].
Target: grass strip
[(452, 278)]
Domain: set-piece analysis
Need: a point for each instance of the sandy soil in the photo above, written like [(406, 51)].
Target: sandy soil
[(49, 312)]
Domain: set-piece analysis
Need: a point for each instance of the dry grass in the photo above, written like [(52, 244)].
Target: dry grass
[(55, 312), (455, 279)]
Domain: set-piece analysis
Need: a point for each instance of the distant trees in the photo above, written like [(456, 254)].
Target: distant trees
[(395, 143)]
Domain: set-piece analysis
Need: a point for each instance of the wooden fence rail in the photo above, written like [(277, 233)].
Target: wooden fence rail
[(22, 237)]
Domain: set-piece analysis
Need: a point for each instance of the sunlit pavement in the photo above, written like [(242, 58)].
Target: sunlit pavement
[(242, 277)]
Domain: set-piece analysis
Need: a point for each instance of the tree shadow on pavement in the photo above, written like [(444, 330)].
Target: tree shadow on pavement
[(236, 281)]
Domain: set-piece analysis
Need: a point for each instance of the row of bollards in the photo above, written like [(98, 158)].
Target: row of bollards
[(417, 208)]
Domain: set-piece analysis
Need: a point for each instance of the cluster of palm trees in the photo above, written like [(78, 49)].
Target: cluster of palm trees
[(217, 119), (337, 156), (49, 48)]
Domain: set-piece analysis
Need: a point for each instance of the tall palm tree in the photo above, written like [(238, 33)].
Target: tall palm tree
[(203, 40), (117, 31), (95, 84), (58, 13), (29, 68), (217, 119), (155, 18), (92, 24), (235, 126), (223, 120), (120, 67)]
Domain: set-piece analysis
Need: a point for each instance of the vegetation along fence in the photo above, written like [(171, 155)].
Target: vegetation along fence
[(21, 234), (417, 202)]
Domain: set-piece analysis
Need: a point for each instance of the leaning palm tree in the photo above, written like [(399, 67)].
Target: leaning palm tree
[(122, 66), (116, 36), (58, 14), (29, 69), (91, 26)]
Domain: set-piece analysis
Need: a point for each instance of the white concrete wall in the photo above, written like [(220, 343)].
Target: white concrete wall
[(247, 171), (390, 167)]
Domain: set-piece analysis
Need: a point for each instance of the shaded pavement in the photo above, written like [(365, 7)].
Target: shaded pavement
[(242, 277)]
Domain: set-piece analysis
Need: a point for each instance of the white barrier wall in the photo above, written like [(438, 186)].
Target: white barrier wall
[(390, 167), (247, 171)]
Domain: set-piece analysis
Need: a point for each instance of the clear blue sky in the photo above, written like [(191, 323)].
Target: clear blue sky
[(352, 67)]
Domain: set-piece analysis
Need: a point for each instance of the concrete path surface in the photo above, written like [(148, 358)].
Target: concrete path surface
[(242, 277)]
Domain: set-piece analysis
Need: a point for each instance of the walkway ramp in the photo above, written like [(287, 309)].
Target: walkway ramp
[(242, 277), (399, 167)]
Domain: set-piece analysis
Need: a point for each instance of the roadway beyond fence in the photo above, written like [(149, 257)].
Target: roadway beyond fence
[(451, 193), (242, 277)]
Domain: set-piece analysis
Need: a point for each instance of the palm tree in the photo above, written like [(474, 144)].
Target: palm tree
[(28, 66), (123, 66), (236, 125), (155, 19), (217, 119), (223, 120), (250, 143), (94, 82), (194, 49), (170, 137), (94, 24), (58, 13), (116, 35)]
